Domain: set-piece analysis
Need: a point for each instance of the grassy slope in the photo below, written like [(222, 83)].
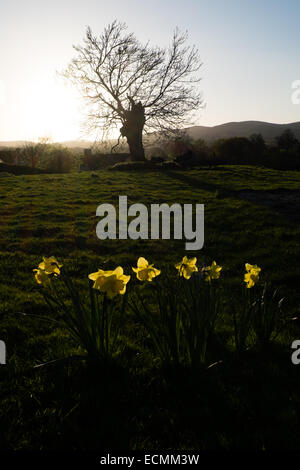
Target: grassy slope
[(55, 215)]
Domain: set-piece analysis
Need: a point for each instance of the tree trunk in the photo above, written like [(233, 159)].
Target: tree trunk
[(133, 130)]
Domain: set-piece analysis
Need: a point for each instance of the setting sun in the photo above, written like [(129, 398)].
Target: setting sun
[(52, 110)]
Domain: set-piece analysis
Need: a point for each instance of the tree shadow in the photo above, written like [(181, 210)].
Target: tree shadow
[(285, 202)]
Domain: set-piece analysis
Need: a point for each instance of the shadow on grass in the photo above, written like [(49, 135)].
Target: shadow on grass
[(248, 402), (285, 202)]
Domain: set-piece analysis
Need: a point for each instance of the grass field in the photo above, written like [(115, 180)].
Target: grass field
[(246, 402)]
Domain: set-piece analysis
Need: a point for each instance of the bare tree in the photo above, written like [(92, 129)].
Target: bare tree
[(134, 86)]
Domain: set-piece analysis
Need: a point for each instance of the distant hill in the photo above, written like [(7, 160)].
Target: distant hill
[(82, 144), (243, 129), (13, 143), (223, 131), (78, 144)]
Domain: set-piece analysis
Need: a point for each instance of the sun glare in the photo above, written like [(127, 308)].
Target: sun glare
[(2, 93), (53, 111)]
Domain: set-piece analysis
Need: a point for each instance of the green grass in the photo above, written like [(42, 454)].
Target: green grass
[(247, 403)]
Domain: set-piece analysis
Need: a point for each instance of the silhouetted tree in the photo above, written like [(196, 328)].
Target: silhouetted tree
[(180, 145), (31, 154), (136, 86), (235, 150), (258, 143), (286, 140)]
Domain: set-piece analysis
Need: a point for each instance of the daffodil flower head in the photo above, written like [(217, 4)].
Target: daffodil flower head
[(187, 267), (145, 271), (252, 274), (212, 272), (252, 267), (110, 282), (50, 265), (41, 276)]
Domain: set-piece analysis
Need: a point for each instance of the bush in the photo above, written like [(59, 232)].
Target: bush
[(287, 140), (59, 160), (234, 151), (282, 159), (99, 161), (19, 170)]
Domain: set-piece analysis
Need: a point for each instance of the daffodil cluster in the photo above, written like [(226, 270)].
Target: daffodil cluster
[(188, 309), (187, 267), (113, 282)]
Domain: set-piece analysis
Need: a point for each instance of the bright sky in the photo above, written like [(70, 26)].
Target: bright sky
[(250, 50)]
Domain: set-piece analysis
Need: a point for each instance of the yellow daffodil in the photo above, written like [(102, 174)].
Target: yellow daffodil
[(252, 267), (187, 267), (41, 276), (110, 282), (50, 265), (145, 271), (212, 272), (252, 274)]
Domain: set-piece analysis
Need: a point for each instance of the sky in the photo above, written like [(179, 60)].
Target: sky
[(250, 51)]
